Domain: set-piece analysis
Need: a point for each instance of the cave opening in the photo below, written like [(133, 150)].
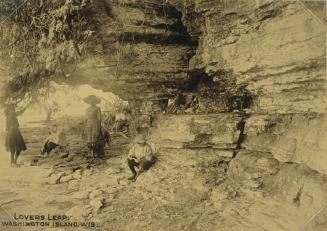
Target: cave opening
[(222, 162), (64, 108), (207, 87), (63, 100)]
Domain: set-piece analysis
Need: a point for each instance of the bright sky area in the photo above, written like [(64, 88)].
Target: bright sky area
[(69, 100)]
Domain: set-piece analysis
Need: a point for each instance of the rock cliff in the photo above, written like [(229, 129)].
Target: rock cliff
[(258, 69)]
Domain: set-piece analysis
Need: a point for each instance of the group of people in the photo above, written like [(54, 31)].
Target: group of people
[(95, 136), (140, 154)]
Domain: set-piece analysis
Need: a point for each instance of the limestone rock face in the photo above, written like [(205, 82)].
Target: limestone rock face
[(263, 59), (290, 138), (219, 131), (273, 195), (301, 187), (141, 49), (275, 48), (249, 169)]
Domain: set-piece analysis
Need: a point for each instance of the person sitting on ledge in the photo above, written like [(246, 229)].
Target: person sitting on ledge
[(141, 156), (56, 138)]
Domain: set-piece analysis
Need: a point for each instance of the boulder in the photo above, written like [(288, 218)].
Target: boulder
[(33, 162), (297, 138), (95, 193), (219, 131), (300, 187), (64, 155), (87, 211), (81, 195), (77, 174), (97, 203), (73, 184), (67, 178), (50, 172), (249, 169), (55, 178), (88, 172)]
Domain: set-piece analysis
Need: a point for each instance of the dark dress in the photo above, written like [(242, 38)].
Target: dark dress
[(14, 139)]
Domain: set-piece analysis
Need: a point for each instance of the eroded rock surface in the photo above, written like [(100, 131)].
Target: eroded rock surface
[(299, 138), (253, 156), (216, 131), (259, 71)]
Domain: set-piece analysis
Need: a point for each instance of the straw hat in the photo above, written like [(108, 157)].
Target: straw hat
[(92, 99)]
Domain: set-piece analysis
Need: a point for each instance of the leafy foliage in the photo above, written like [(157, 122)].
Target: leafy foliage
[(40, 39)]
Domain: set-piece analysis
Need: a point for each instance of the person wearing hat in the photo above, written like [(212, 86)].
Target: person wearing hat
[(93, 122), (140, 155), (14, 140)]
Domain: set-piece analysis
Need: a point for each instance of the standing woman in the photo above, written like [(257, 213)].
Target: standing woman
[(14, 139), (93, 122)]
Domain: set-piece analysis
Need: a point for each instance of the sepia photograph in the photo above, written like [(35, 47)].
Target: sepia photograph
[(163, 115)]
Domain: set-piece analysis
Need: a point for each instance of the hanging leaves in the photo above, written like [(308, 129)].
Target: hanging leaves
[(41, 38)]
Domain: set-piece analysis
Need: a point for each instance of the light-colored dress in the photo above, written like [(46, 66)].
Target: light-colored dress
[(93, 124)]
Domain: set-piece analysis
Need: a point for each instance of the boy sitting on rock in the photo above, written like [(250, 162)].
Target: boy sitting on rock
[(140, 155)]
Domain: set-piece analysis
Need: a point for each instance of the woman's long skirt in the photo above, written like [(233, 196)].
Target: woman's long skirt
[(14, 141)]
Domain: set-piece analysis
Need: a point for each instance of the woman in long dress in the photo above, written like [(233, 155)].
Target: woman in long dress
[(14, 140), (93, 122)]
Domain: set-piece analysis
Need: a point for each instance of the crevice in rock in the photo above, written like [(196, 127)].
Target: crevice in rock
[(223, 92), (241, 138), (197, 78), (174, 39), (297, 198)]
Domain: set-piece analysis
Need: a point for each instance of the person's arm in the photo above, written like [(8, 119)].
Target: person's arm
[(131, 153), (21, 111), (18, 113)]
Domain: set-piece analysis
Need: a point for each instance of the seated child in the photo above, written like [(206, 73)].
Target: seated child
[(56, 138)]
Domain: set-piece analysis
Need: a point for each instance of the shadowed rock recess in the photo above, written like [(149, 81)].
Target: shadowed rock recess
[(255, 150)]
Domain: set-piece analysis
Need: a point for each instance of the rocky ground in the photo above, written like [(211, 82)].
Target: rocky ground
[(207, 176), (187, 189)]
